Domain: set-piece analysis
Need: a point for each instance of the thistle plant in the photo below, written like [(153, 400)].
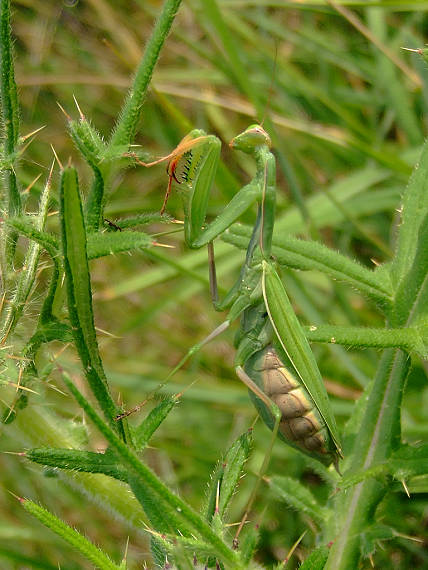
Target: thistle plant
[(71, 228)]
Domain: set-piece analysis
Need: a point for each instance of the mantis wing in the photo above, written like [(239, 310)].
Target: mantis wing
[(296, 346)]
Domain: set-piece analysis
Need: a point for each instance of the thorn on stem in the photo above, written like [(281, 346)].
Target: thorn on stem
[(64, 111), (57, 159), (82, 116)]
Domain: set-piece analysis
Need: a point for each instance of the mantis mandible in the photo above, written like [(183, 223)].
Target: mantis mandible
[(273, 356)]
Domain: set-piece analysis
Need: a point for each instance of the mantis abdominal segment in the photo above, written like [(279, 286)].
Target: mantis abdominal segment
[(301, 423)]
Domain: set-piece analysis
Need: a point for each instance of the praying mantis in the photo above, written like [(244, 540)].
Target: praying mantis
[(273, 357)]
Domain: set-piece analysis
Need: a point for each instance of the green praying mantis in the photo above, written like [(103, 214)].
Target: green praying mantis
[(273, 357)]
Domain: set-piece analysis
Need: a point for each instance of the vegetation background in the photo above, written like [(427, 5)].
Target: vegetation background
[(349, 110)]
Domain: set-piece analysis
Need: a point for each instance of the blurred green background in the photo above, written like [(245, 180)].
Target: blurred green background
[(346, 109)]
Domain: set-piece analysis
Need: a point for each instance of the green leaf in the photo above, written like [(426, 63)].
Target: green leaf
[(79, 460), (310, 255), (150, 424), (233, 465), (409, 461), (370, 538), (17, 301), (70, 535), (142, 220), (248, 543), (80, 294), (414, 210), (411, 298), (109, 243), (27, 228), (316, 560), (9, 117), (87, 140), (129, 116), (225, 476), (407, 338), (92, 147), (147, 484), (47, 332), (162, 515), (299, 497)]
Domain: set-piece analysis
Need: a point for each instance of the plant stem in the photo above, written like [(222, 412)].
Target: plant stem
[(406, 338), (10, 127), (130, 114), (378, 437)]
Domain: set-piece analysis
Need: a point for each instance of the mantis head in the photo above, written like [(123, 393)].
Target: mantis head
[(253, 137)]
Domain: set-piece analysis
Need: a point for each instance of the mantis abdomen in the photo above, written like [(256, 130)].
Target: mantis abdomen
[(301, 423)]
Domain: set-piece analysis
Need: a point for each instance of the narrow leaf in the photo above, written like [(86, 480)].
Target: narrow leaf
[(109, 243), (299, 497), (371, 537), (152, 483), (249, 543), (9, 127), (78, 460), (79, 292), (316, 560), (413, 210), (149, 425), (411, 298), (129, 116), (309, 255), (233, 465), (409, 461), (70, 535)]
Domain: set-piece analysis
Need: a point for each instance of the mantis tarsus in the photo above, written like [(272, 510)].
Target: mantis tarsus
[(290, 399)]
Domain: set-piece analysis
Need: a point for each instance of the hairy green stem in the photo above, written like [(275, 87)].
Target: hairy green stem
[(40, 427), (10, 128), (28, 274), (127, 124), (70, 535), (378, 437), (364, 337), (158, 490)]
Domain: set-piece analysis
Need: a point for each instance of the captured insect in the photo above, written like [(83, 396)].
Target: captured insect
[(273, 357)]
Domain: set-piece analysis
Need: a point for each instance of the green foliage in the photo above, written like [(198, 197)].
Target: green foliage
[(70, 535), (345, 115)]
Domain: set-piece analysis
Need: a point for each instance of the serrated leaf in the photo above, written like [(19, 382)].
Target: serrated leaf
[(371, 536), (225, 476), (109, 243), (249, 542), (149, 425), (409, 461), (299, 497), (414, 210), (79, 460), (316, 560), (234, 461)]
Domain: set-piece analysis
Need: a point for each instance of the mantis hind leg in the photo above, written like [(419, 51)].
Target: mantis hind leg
[(193, 350), (276, 413)]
